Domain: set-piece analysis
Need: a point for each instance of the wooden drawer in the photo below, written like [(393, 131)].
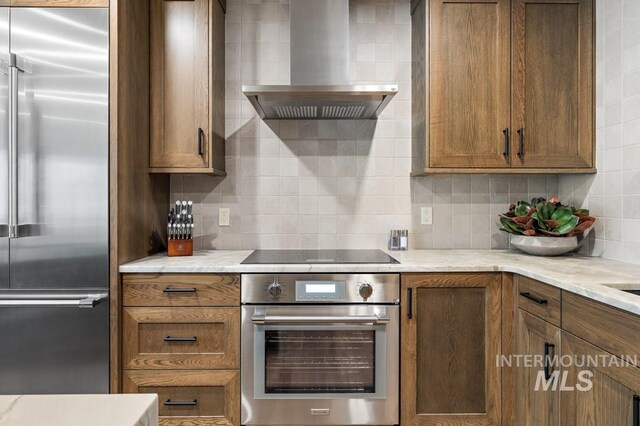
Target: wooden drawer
[(539, 299), (611, 329), (181, 290), (182, 338), (209, 397)]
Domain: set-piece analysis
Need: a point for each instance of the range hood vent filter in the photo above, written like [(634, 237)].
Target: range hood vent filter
[(344, 112), (328, 112), (296, 111)]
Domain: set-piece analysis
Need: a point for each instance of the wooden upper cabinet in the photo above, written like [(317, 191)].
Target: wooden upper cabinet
[(502, 86), (553, 108), (187, 86), (469, 87), (451, 325)]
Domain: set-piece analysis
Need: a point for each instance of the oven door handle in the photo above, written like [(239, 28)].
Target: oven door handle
[(309, 319)]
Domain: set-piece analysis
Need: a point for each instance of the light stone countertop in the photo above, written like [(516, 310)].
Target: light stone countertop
[(578, 274), (79, 410)]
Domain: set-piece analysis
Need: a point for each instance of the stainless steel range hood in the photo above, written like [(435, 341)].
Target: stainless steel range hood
[(319, 70)]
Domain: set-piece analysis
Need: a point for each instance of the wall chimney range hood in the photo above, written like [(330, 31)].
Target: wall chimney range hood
[(319, 71)]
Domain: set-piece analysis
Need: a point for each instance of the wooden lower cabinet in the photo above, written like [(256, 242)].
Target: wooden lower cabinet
[(613, 394), (181, 338), (451, 328), (190, 397), (537, 339), (181, 290)]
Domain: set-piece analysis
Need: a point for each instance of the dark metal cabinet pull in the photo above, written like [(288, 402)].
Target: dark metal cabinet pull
[(505, 151), (200, 142), (170, 403), (533, 298), (179, 290), (520, 142), (410, 302), (547, 359), (180, 339), (636, 410)]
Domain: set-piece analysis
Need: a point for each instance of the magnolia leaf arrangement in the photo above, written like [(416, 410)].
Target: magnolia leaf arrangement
[(545, 218)]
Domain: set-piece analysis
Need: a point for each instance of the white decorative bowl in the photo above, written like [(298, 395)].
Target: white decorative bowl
[(548, 246)]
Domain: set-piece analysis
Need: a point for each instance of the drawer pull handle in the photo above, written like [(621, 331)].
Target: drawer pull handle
[(170, 403), (180, 339), (200, 142), (179, 290), (547, 359), (531, 297), (521, 142), (505, 151)]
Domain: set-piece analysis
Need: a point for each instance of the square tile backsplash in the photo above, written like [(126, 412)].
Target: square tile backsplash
[(613, 195), (336, 184)]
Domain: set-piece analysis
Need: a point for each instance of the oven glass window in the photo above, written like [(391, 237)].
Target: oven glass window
[(319, 361)]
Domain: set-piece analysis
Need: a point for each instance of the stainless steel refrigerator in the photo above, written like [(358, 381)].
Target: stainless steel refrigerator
[(54, 251)]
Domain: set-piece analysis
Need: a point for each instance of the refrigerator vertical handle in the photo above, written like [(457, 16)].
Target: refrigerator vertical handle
[(13, 146)]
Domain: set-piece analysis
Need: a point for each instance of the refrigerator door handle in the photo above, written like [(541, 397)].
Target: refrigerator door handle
[(13, 145), (47, 300)]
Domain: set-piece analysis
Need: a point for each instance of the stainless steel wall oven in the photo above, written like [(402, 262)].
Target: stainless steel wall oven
[(320, 349)]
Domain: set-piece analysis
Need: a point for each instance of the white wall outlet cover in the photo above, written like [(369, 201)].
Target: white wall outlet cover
[(426, 216), (224, 217)]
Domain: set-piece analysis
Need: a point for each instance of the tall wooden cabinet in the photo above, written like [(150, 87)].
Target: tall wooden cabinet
[(187, 86), (451, 325), (502, 86)]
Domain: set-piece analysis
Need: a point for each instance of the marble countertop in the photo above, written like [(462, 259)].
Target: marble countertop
[(579, 274), (79, 410)]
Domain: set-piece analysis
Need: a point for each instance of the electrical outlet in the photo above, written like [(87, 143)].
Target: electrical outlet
[(426, 216), (223, 217)]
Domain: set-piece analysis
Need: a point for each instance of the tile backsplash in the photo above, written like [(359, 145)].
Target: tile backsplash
[(336, 184), (613, 195)]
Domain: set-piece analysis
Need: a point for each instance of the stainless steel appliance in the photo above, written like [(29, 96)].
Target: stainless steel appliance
[(54, 262), (267, 257), (320, 70), (320, 349)]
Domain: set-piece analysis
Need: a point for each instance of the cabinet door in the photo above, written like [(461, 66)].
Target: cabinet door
[(451, 338), (553, 105), (179, 83), (537, 338), (610, 398), (469, 83)]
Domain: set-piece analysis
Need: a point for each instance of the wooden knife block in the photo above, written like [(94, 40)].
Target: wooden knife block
[(180, 248)]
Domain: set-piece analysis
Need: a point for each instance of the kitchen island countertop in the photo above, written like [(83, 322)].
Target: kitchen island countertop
[(582, 275), (79, 410)]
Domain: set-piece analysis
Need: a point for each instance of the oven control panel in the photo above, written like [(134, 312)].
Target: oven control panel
[(320, 288), (321, 291)]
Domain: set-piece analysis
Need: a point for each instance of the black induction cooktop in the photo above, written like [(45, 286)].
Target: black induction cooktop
[(266, 257)]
